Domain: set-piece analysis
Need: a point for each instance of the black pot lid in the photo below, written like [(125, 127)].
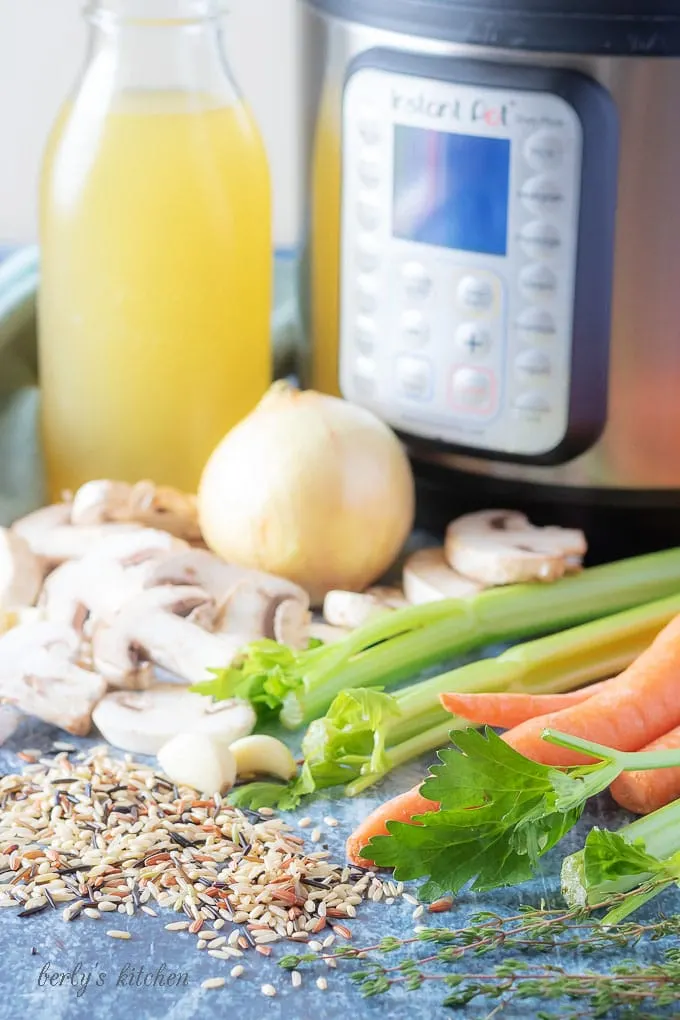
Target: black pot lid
[(607, 27)]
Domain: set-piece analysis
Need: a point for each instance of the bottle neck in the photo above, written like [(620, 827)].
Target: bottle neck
[(157, 46), (158, 13)]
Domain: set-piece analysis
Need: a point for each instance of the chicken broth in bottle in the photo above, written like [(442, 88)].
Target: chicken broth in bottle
[(156, 252)]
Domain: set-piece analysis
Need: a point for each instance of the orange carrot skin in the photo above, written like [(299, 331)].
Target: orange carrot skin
[(632, 710), (511, 709), (399, 809), (644, 792)]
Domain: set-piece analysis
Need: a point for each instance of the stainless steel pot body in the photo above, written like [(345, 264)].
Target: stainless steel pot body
[(640, 447)]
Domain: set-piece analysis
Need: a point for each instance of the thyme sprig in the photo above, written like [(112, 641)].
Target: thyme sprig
[(627, 987)]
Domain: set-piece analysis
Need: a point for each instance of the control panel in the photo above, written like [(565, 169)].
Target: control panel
[(460, 232)]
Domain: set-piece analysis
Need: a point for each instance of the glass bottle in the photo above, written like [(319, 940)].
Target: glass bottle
[(156, 252)]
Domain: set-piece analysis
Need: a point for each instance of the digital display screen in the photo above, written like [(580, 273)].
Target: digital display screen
[(451, 190)]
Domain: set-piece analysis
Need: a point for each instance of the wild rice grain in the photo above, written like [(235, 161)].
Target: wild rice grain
[(330, 821), (315, 836), (269, 991), (237, 971), (216, 982), (113, 933), (321, 984), (296, 978), (304, 823), (418, 912)]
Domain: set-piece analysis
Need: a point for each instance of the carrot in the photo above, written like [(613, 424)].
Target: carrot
[(644, 792), (399, 809), (510, 709), (632, 710)]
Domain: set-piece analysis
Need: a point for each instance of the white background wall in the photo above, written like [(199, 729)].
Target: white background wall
[(41, 48)]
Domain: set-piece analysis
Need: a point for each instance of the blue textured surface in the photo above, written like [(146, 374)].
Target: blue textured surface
[(83, 945)]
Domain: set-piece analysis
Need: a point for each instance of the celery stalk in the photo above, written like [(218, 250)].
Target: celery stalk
[(412, 721), (549, 665), (393, 648), (636, 863)]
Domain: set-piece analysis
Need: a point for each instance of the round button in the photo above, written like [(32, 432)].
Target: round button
[(367, 253), (367, 294), (531, 402), (532, 365), (416, 280), (540, 240), (474, 340), (537, 282), (414, 377), (544, 151), (472, 389), (365, 334), (370, 127), (369, 172), (535, 324), (415, 330), (365, 375), (475, 294), (541, 196), (368, 215)]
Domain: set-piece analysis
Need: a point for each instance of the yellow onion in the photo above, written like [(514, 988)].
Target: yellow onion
[(311, 488)]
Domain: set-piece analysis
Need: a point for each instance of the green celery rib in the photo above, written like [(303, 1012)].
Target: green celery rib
[(658, 832), (393, 648), (549, 665)]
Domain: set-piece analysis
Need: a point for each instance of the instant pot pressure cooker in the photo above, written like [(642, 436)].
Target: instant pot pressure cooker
[(494, 246)]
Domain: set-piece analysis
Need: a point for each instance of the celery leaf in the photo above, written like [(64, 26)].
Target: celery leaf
[(499, 813)]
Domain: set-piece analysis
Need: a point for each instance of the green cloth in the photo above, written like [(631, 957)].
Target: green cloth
[(22, 486), (21, 470)]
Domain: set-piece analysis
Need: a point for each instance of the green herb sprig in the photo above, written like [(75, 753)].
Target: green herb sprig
[(627, 988)]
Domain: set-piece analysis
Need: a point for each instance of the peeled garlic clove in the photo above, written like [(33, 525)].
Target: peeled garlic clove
[(262, 755), (193, 759)]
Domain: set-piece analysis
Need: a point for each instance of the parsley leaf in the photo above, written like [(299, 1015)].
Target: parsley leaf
[(499, 813)]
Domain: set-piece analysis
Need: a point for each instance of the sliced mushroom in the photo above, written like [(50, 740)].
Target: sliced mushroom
[(248, 599), (143, 721), (389, 595), (352, 609), (153, 628), (199, 761), (325, 632), (497, 547), (291, 624), (21, 572), (55, 540), (39, 673), (10, 717), (429, 578), (106, 501), (100, 584)]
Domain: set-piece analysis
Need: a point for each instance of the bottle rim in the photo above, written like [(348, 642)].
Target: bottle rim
[(152, 13)]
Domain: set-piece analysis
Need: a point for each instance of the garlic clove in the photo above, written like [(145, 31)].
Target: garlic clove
[(192, 759), (263, 755)]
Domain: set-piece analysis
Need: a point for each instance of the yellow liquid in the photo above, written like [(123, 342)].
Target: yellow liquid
[(325, 242), (156, 288)]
